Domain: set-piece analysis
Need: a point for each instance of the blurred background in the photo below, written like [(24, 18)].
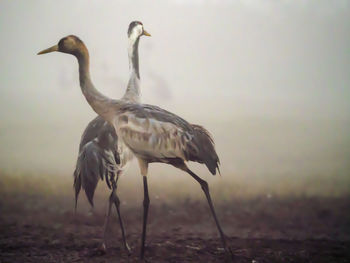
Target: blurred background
[(269, 79)]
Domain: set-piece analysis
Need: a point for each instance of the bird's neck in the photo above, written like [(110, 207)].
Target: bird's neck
[(133, 91), (100, 103)]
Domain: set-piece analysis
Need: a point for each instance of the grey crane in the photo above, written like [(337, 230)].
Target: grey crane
[(99, 156), (151, 133)]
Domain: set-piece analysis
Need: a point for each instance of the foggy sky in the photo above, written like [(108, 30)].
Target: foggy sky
[(270, 79)]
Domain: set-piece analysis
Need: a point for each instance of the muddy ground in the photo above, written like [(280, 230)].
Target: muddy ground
[(42, 228)]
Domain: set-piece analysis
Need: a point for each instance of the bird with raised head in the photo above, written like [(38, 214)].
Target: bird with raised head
[(149, 132), (99, 155)]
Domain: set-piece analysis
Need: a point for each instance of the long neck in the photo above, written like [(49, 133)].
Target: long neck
[(133, 91), (101, 104)]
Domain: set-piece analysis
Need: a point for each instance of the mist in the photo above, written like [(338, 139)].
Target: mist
[(270, 80)]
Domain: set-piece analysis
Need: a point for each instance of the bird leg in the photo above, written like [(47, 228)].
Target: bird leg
[(205, 189), (117, 206), (110, 202), (114, 199), (145, 215)]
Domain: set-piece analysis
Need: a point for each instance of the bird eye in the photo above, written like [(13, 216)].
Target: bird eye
[(60, 43)]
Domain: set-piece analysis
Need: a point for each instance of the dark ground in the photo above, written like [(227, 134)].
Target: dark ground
[(38, 228)]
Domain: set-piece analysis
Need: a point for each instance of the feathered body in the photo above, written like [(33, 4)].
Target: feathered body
[(156, 135), (151, 133)]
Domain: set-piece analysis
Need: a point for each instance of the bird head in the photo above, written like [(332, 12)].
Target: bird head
[(136, 30), (69, 44)]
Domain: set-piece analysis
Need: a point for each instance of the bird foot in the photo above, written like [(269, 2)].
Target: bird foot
[(229, 256), (102, 249), (127, 248)]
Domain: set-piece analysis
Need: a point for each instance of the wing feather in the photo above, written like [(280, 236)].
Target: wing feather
[(154, 133), (98, 157)]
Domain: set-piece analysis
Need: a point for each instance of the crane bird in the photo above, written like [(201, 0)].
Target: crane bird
[(99, 155), (151, 133)]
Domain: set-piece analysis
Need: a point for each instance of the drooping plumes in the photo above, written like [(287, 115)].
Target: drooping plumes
[(98, 158), (206, 149)]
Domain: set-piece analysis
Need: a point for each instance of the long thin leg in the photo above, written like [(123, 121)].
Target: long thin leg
[(105, 227), (113, 198), (145, 215), (205, 189), (117, 204)]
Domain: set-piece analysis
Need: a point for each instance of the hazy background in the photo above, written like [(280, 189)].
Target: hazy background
[(269, 79)]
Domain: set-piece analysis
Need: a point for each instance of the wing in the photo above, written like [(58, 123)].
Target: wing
[(98, 157), (94, 164), (152, 132), (91, 131), (157, 135)]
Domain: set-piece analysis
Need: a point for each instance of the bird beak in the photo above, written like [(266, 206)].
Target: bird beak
[(145, 33), (48, 50)]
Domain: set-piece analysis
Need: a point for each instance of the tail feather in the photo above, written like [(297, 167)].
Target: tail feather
[(92, 165), (77, 187), (206, 149)]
